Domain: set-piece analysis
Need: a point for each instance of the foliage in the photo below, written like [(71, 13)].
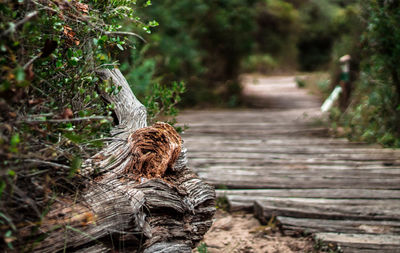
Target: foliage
[(160, 100), (300, 82), (278, 29), (374, 114), (162, 103), (321, 246), (139, 71), (202, 248), (299, 34), (202, 44), (222, 203), (323, 23), (51, 111)]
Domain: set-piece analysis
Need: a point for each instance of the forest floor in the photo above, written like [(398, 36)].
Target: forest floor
[(241, 232)]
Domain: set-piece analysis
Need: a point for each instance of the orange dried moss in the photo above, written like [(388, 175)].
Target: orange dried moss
[(154, 150)]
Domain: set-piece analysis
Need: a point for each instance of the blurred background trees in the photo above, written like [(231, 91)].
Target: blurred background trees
[(209, 44)]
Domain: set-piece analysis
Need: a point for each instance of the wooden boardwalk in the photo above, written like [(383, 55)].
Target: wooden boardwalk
[(279, 162)]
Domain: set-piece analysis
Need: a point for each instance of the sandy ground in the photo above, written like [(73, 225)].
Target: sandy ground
[(242, 233)]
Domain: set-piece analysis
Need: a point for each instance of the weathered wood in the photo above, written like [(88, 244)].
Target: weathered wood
[(296, 150), (289, 162), (362, 242), (334, 209), (139, 195), (282, 159), (243, 200), (306, 172), (251, 195), (320, 157), (342, 226), (258, 181)]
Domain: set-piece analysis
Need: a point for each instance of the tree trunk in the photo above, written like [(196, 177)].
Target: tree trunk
[(139, 195)]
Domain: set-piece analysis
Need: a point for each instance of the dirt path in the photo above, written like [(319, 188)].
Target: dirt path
[(241, 232), (279, 161)]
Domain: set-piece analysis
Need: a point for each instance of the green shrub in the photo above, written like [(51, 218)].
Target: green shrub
[(49, 52), (202, 248), (374, 115)]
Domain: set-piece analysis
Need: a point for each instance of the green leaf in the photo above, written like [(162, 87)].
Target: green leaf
[(73, 137), (9, 221), (2, 187), (148, 3), (120, 47), (19, 74), (69, 127), (11, 173), (75, 166), (15, 140), (8, 233), (74, 61), (59, 63), (153, 23)]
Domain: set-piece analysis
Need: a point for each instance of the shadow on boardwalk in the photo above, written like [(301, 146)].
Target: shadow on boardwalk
[(276, 161)]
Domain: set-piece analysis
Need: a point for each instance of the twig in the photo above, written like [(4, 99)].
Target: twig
[(106, 139), (53, 164), (116, 63), (33, 121), (22, 21), (31, 61), (125, 33)]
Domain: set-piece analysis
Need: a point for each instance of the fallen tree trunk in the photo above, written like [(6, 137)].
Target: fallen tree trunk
[(139, 195)]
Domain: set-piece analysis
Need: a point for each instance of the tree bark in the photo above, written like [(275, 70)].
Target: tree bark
[(139, 195)]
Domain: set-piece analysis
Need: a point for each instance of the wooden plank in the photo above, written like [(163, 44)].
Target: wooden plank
[(198, 161), (305, 172), (237, 206), (312, 193), (272, 141), (362, 242), (319, 131), (259, 182), (243, 200), (284, 156), (298, 149), (250, 115), (339, 226), (277, 167), (327, 209), (277, 140)]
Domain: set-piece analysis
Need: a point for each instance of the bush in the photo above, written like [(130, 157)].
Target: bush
[(375, 112), (51, 112)]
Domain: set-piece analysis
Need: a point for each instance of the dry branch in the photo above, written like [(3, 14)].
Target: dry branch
[(139, 194)]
